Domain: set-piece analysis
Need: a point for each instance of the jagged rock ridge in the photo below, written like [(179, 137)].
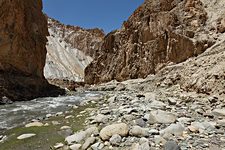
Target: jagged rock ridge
[(157, 33)]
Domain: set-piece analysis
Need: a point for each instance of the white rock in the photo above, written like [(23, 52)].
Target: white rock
[(48, 115), (159, 116), (75, 146), (157, 104), (25, 136), (58, 145), (68, 117), (65, 127), (34, 124), (150, 96), (55, 123), (92, 131), (88, 142), (172, 101), (174, 129), (59, 114), (77, 137), (219, 112)]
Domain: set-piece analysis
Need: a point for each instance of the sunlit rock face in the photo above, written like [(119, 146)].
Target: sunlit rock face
[(23, 31), (159, 32), (69, 50)]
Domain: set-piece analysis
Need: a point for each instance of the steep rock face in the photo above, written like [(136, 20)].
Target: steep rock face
[(157, 33), (88, 41), (23, 31), (69, 50)]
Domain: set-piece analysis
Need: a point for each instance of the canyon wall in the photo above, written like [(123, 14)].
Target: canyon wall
[(69, 50), (23, 31), (158, 33)]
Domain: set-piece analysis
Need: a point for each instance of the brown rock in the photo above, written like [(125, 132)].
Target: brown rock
[(154, 35), (221, 27), (23, 31)]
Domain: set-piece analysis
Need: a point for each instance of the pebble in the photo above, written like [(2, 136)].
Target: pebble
[(75, 146), (88, 142), (171, 145), (58, 145), (34, 124), (68, 117), (65, 127), (25, 136), (174, 129), (97, 146), (115, 139), (219, 112), (77, 137)]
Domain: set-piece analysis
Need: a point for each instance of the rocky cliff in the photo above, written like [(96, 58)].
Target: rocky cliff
[(69, 50), (159, 32), (23, 31)]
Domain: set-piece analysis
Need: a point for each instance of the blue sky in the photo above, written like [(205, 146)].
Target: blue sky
[(105, 14)]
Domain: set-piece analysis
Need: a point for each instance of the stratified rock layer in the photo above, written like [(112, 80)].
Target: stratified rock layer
[(157, 33), (23, 31), (69, 50)]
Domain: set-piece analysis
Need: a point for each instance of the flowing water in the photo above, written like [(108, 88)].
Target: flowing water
[(20, 113)]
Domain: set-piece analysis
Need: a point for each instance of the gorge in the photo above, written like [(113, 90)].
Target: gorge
[(156, 83)]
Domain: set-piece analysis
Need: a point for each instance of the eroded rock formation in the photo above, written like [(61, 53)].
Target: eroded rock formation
[(23, 31), (88, 41), (157, 33), (69, 50)]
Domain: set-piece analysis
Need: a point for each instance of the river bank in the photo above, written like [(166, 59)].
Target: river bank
[(133, 115)]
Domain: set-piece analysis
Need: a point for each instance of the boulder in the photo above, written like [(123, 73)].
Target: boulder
[(107, 132), (163, 117)]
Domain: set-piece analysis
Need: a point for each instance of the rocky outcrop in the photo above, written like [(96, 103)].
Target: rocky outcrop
[(69, 50), (23, 31), (157, 33), (88, 41)]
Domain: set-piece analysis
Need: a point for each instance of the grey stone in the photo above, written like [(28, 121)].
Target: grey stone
[(100, 118), (65, 133), (174, 129), (88, 142), (138, 131), (97, 146), (128, 117), (163, 117), (219, 112), (92, 131), (159, 140), (157, 105), (115, 139), (172, 101), (77, 137), (171, 145), (140, 122), (75, 146)]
